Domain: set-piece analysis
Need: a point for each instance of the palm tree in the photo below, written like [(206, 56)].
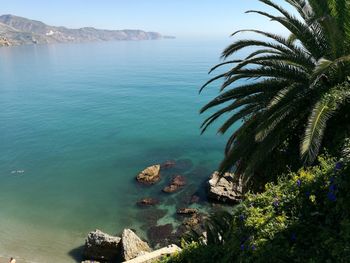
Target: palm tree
[(293, 86)]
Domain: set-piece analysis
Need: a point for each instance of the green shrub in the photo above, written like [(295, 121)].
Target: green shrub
[(302, 218)]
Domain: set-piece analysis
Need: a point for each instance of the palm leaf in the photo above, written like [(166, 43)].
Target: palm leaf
[(323, 110), (296, 84), (315, 130)]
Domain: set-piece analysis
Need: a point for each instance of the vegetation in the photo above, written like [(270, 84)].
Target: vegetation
[(298, 103), (296, 113), (305, 217)]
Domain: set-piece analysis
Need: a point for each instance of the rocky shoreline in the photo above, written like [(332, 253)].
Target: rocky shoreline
[(103, 247), (169, 184)]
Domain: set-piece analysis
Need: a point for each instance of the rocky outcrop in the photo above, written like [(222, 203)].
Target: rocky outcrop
[(148, 202), (132, 246), (195, 223), (192, 222), (150, 175), (101, 246), (176, 184), (226, 188)]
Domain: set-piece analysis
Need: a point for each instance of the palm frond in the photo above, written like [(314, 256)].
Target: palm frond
[(321, 113), (310, 39), (323, 110), (246, 90), (296, 84), (250, 101)]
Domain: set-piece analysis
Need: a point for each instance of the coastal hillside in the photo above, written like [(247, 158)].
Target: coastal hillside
[(16, 30)]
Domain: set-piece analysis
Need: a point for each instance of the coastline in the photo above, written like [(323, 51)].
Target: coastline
[(192, 216), (80, 176)]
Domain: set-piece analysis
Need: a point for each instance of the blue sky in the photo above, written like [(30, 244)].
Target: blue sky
[(182, 18)]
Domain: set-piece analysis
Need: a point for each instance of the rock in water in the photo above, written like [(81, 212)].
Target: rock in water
[(132, 245), (151, 215), (160, 235), (101, 246), (147, 202), (195, 223), (225, 189), (179, 180), (186, 211), (168, 164), (150, 175), (176, 184), (194, 199)]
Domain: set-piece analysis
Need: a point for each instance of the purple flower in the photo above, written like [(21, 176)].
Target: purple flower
[(276, 203), (338, 166), (332, 187), (331, 196), (242, 247), (253, 247), (293, 237), (308, 194), (298, 183), (241, 217)]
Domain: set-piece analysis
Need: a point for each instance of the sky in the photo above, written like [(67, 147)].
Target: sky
[(180, 18)]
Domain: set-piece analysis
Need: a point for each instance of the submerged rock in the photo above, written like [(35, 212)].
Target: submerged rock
[(186, 211), (185, 198), (132, 245), (175, 185), (225, 188), (194, 199), (150, 175), (179, 180), (168, 164), (151, 215), (170, 188), (148, 202), (101, 246), (160, 235)]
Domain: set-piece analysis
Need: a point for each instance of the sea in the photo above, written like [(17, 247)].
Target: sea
[(78, 122)]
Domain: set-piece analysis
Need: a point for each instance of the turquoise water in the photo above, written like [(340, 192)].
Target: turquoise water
[(79, 121)]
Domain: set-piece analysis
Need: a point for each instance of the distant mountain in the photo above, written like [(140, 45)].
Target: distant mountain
[(15, 30)]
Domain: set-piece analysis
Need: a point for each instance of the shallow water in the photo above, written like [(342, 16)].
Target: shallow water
[(79, 121)]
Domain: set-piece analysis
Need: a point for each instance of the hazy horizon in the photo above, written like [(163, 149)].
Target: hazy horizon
[(181, 18)]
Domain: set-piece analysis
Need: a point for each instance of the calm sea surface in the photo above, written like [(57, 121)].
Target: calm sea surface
[(79, 121)]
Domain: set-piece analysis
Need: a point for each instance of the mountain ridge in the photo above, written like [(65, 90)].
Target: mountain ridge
[(16, 30)]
